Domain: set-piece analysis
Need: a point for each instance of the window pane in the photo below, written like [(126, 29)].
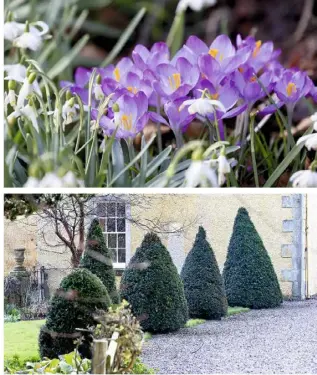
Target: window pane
[(120, 225), (114, 255), (111, 209), (112, 240), (101, 209), (121, 240), (121, 255), (121, 210), (111, 225), (102, 223)]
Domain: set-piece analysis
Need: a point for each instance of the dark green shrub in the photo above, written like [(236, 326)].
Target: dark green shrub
[(203, 284), (249, 276), (154, 289), (97, 258), (80, 294)]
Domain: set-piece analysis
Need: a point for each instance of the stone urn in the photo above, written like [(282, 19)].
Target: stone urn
[(19, 270)]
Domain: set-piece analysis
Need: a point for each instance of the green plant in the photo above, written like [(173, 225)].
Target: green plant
[(194, 322), (120, 319), (203, 284), (153, 287), (141, 368), (237, 310), (97, 258), (80, 294), (249, 276)]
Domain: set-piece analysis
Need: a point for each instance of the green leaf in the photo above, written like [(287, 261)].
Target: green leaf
[(175, 37), (124, 37), (64, 62), (286, 162), (118, 164)]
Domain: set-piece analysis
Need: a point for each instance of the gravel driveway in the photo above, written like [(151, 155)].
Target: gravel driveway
[(282, 340)]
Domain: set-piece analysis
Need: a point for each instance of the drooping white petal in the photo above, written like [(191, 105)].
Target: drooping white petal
[(99, 95), (26, 89), (310, 141), (32, 182), (68, 113), (43, 26), (204, 106), (304, 179), (28, 40), (70, 180), (195, 5), (15, 72), (30, 112), (193, 173), (12, 30), (223, 169)]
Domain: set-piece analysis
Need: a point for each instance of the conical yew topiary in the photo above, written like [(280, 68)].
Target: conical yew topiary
[(97, 258), (203, 284), (81, 293), (154, 289), (249, 276)]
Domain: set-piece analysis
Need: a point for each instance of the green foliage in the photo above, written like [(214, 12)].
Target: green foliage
[(203, 284), (237, 310), (120, 319), (249, 276), (71, 363), (141, 368), (154, 289), (194, 322), (97, 258), (80, 294)]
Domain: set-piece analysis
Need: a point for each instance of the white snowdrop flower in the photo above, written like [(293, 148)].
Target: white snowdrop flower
[(314, 120), (223, 168), (310, 141), (303, 179), (201, 173), (69, 111), (27, 88), (51, 179), (203, 106), (32, 182), (29, 111), (12, 30), (15, 72), (10, 96), (70, 180), (195, 5), (99, 95), (28, 40), (32, 37)]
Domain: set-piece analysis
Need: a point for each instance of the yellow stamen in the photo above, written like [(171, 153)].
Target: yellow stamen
[(214, 96), (291, 89), (116, 74), (253, 79), (132, 89), (175, 81), (241, 70), (126, 122), (213, 52), (258, 45)]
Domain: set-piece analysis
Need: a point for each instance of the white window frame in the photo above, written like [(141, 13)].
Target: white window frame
[(117, 265)]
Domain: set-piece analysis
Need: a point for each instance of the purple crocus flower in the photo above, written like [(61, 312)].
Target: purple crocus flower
[(262, 53), (130, 119), (145, 59), (178, 117), (221, 49), (249, 87), (176, 81), (293, 86)]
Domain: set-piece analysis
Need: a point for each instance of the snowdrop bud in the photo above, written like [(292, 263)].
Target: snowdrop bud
[(68, 95), (197, 154), (98, 79), (12, 85), (115, 107), (31, 78), (223, 167), (71, 102)]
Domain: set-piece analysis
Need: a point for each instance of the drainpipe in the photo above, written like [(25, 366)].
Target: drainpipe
[(303, 246)]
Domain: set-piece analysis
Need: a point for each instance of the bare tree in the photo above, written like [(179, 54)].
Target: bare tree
[(68, 216)]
